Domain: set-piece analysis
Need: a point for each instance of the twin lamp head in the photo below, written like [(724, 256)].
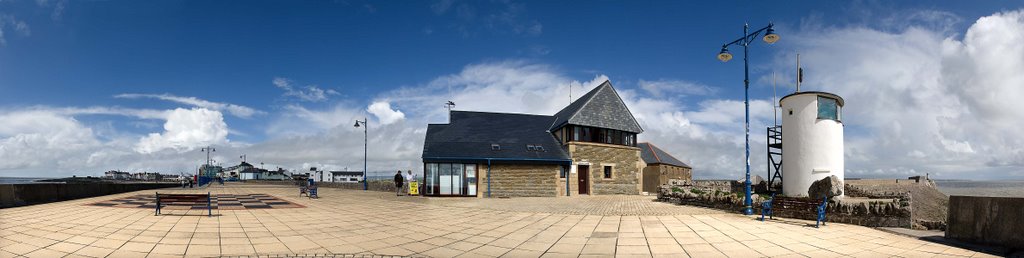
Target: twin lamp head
[(769, 37)]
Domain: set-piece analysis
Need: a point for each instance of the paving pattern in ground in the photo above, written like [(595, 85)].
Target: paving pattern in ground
[(217, 201), (376, 223)]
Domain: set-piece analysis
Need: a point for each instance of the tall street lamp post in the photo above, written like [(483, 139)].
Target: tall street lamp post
[(769, 37), (207, 150), (364, 150)]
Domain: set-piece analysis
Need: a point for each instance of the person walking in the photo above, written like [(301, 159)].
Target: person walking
[(399, 183), (409, 178)]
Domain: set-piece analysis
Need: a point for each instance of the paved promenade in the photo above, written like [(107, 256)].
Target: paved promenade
[(375, 223)]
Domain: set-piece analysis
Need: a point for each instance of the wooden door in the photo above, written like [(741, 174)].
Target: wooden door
[(583, 172)]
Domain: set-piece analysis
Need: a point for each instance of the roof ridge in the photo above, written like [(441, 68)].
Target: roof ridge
[(623, 102), (587, 101), (656, 157), (495, 112)]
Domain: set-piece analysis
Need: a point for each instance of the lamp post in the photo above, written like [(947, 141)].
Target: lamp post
[(364, 150), (769, 37), (207, 150)]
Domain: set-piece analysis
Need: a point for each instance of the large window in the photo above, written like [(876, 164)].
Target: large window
[(470, 179), (450, 179), (828, 108), (456, 180), (446, 179), (601, 135), (430, 177)]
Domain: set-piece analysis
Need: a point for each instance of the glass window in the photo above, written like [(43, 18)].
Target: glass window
[(575, 133), (457, 179), (828, 108), (607, 171), (471, 179), (431, 177), (445, 179), (563, 172)]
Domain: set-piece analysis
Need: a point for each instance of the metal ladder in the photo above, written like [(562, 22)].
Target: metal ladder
[(774, 157)]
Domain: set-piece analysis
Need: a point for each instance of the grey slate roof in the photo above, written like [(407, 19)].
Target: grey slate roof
[(469, 136), (654, 155), (601, 107)]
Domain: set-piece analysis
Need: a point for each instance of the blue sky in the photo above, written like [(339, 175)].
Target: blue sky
[(121, 84)]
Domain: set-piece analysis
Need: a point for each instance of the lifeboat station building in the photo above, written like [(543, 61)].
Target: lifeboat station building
[(587, 148)]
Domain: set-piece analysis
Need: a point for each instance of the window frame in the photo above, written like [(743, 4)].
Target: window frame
[(836, 108)]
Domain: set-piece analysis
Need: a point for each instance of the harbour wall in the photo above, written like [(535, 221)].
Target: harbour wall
[(14, 195), (987, 220)]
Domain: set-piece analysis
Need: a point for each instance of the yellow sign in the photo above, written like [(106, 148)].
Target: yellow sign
[(414, 188)]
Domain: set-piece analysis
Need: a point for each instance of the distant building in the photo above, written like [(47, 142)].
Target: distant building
[(236, 171), (147, 176), (169, 177), (117, 175), (251, 173), (346, 176), (661, 167)]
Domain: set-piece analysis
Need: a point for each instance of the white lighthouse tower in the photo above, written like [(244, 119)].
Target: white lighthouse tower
[(812, 140)]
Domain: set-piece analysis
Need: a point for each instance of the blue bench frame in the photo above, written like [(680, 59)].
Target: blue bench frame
[(766, 209)]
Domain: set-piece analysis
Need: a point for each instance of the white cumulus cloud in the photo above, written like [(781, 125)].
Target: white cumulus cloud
[(922, 99), (187, 129), (382, 110)]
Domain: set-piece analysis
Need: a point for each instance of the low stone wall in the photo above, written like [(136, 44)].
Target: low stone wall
[(987, 220), (373, 185), (715, 185), (29, 194), (896, 213)]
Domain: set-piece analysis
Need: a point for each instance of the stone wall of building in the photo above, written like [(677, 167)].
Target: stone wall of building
[(661, 173), (516, 180), (624, 160)]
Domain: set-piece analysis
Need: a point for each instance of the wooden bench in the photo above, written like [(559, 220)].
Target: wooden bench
[(795, 204), (192, 199)]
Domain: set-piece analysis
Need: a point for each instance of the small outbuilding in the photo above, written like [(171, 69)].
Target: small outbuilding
[(661, 167)]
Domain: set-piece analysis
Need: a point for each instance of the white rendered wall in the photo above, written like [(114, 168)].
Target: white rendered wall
[(812, 148)]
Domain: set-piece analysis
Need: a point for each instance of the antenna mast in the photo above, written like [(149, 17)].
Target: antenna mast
[(775, 105), (799, 73)]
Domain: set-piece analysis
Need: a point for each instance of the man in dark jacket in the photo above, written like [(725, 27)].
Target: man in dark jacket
[(399, 181)]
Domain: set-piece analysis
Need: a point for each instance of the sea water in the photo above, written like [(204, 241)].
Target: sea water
[(19, 180), (981, 188)]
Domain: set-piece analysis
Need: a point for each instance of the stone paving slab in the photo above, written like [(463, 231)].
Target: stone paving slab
[(351, 223)]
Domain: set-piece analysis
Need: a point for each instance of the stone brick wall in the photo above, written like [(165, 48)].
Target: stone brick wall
[(624, 160), (515, 180), (663, 173)]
